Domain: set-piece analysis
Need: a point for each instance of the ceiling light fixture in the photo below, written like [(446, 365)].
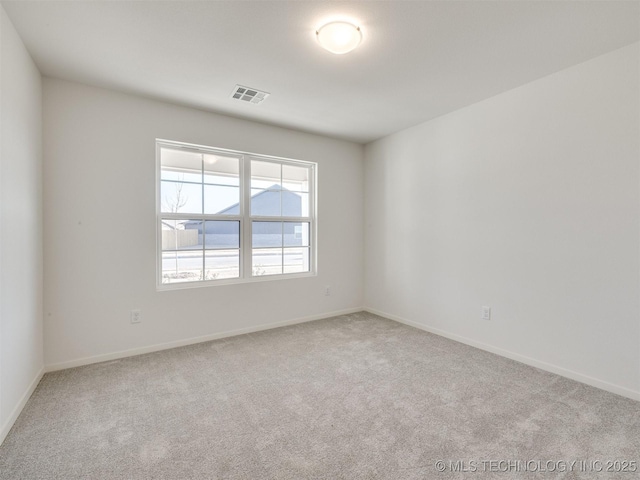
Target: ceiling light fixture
[(339, 37)]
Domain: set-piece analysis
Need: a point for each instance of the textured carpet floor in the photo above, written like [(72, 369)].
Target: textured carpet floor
[(352, 397)]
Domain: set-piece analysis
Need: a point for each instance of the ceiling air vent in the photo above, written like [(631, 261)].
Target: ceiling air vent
[(247, 94)]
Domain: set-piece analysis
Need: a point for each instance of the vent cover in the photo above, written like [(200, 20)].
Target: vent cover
[(250, 95)]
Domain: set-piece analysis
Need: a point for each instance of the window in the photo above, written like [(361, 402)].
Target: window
[(228, 217)]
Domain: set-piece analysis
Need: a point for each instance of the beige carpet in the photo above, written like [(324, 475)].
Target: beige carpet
[(352, 397)]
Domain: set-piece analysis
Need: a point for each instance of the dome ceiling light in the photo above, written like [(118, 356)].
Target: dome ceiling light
[(339, 37)]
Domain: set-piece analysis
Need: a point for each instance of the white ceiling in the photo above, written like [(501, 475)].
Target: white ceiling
[(418, 60)]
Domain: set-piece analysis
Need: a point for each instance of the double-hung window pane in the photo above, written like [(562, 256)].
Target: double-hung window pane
[(181, 184), (279, 190), (203, 218), (280, 247), (221, 185), (295, 188), (197, 191)]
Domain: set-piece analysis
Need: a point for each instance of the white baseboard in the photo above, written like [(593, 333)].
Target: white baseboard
[(6, 428), (190, 341), (579, 377)]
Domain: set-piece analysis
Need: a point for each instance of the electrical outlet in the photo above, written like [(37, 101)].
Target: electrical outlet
[(327, 290), (136, 316), (486, 313)]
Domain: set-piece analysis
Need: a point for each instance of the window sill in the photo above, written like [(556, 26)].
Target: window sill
[(232, 281)]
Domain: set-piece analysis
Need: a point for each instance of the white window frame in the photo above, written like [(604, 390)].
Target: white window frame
[(245, 218)]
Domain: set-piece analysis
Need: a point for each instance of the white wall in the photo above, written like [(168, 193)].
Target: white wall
[(527, 202), (21, 359), (100, 175)]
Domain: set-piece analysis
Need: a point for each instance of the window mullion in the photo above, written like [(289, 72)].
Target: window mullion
[(198, 216), (282, 237), (313, 221), (281, 187), (281, 219), (245, 210), (204, 223)]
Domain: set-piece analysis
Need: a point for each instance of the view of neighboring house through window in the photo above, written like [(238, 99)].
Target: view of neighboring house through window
[(228, 216)]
